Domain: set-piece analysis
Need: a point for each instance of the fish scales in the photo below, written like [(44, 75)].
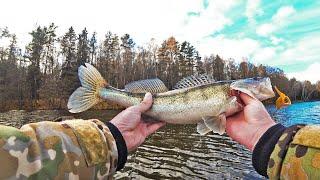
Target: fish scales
[(176, 106), (207, 103)]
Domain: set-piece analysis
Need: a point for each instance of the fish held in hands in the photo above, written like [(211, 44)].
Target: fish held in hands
[(195, 99)]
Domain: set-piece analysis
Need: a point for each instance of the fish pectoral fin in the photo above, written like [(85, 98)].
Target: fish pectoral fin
[(202, 128), (146, 85), (216, 123)]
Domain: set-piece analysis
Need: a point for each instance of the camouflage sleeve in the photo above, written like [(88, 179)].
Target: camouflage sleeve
[(73, 149), (296, 154)]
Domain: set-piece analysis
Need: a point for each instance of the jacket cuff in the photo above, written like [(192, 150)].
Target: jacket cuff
[(264, 147), (121, 145)]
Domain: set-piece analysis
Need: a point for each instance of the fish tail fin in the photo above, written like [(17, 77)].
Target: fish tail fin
[(87, 95), (283, 100)]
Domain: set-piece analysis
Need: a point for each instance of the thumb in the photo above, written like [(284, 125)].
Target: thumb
[(246, 98), (146, 103)]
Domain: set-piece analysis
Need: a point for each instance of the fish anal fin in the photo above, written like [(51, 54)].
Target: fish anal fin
[(147, 85), (216, 123), (202, 128), (194, 80)]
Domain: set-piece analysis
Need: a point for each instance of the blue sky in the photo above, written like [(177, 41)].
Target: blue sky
[(282, 33)]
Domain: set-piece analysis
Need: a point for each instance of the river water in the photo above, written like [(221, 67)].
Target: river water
[(177, 151)]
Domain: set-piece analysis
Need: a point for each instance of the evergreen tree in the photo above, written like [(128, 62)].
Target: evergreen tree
[(35, 51), (93, 47), (68, 79), (108, 63), (127, 54), (218, 68), (83, 48), (48, 62)]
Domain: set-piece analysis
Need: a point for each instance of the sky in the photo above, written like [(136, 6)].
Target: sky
[(281, 33)]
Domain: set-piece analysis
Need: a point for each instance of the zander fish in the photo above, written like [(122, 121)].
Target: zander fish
[(196, 100)]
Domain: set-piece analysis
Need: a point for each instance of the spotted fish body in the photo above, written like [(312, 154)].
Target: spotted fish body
[(180, 106), (200, 101)]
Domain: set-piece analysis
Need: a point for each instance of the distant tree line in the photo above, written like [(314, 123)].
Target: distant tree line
[(43, 74)]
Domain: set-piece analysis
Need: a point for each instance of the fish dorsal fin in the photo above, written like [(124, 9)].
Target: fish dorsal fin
[(146, 85), (194, 80)]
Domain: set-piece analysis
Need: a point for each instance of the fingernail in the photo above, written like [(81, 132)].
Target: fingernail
[(148, 95)]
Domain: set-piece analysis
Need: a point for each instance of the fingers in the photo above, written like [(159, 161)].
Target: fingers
[(151, 128), (236, 117), (246, 98), (146, 103)]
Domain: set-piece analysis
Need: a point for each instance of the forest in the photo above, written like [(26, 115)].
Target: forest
[(43, 74)]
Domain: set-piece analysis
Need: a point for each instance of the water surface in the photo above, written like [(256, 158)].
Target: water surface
[(177, 151)]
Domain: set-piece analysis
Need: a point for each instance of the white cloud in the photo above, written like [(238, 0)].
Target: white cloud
[(311, 73), (283, 14), (305, 50), (253, 9), (275, 40), (264, 55), (211, 19), (278, 20), (142, 19), (229, 48), (266, 29)]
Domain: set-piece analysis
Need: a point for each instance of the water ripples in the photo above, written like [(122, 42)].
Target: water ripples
[(177, 152)]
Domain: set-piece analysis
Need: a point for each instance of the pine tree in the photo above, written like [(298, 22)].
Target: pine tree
[(48, 62), (218, 66), (93, 47), (108, 63), (127, 54), (83, 48), (68, 79), (35, 50)]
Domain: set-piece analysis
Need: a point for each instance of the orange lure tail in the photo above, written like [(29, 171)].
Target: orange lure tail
[(283, 100)]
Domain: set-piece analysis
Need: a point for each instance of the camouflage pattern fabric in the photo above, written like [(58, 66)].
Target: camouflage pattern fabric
[(297, 154), (73, 149)]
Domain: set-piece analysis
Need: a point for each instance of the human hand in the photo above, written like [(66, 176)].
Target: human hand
[(247, 126), (131, 125)]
